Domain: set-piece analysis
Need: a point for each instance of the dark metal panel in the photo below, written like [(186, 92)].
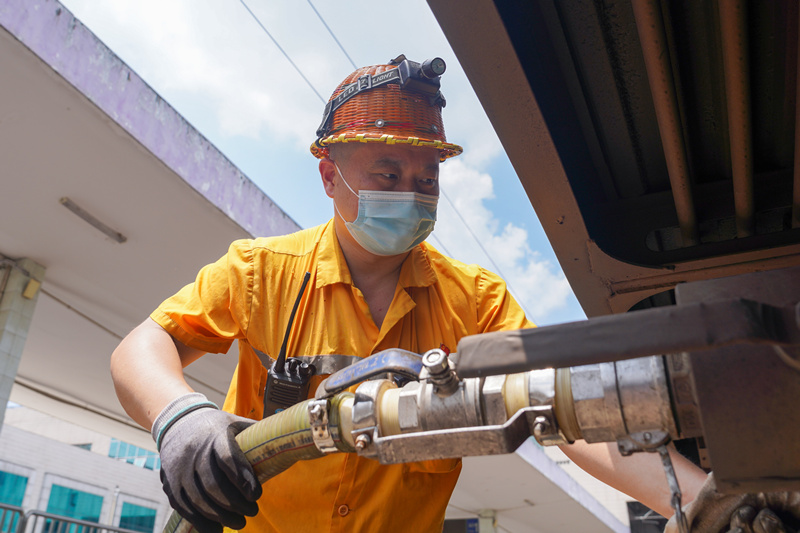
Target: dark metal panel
[(583, 62), (563, 84), (773, 48), (747, 396)]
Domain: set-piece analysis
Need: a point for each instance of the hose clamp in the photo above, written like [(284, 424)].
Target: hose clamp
[(318, 419)]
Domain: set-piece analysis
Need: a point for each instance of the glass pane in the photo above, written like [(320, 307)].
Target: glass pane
[(73, 504), (133, 455), (12, 488), (137, 518), (12, 492)]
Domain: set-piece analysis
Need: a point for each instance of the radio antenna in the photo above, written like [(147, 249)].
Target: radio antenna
[(281, 360)]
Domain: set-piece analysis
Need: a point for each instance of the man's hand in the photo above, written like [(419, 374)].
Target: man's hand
[(205, 474), (712, 512)]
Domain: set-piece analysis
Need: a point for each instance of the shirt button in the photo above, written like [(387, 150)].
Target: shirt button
[(343, 510)]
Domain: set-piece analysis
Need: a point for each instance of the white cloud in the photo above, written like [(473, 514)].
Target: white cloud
[(536, 282), (183, 47)]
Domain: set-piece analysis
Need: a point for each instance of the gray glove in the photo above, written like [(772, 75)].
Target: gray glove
[(712, 512), (205, 474)]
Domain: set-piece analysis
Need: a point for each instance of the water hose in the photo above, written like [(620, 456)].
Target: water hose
[(279, 441)]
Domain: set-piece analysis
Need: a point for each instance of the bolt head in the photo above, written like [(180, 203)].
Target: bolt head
[(435, 359), (362, 441)]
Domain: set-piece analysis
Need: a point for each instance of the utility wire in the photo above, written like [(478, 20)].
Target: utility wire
[(332, 35), (441, 244), (283, 51), (497, 268)]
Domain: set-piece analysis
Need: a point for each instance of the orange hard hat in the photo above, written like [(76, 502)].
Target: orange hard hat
[(396, 103)]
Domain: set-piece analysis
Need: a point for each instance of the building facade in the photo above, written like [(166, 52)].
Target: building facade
[(83, 475)]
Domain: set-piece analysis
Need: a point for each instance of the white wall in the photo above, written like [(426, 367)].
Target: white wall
[(45, 462)]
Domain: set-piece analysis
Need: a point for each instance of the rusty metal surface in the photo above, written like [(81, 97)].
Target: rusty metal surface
[(653, 38), (566, 88), (736, 58), (684, 403), (748, 398)]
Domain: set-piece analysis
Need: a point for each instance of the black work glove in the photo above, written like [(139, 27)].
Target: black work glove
[(205, 474), (762, 512), (747, 519)]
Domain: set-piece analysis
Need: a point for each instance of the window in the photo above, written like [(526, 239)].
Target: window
[(12, 492), (134, 455), (12, 488), (137, 518), (72, 504)]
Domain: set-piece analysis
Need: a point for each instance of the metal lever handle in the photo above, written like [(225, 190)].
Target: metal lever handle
[(402, 362)]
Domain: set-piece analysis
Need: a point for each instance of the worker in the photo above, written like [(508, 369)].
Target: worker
[(373, 284)]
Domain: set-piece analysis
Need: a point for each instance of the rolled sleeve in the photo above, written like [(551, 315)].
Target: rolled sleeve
[(214, 310)]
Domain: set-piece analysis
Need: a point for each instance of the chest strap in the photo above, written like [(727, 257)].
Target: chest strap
[(324, 364)]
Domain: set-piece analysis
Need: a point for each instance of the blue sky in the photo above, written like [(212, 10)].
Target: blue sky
[(214, 64)]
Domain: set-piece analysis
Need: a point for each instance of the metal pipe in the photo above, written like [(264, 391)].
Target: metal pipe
[(796, 194), (696, 326), (736, 62), (650, 26)]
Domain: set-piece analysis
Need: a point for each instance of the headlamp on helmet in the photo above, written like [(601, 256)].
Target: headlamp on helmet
[(397, 103)]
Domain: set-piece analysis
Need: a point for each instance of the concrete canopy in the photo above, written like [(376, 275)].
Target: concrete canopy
[(77, 123)]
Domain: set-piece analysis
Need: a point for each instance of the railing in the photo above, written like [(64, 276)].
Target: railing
[(10, 518), (14, 519)]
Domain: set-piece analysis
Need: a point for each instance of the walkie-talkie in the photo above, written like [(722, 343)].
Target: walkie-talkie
[(287, 381)]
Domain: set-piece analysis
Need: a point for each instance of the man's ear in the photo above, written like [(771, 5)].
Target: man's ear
[(327, 172)]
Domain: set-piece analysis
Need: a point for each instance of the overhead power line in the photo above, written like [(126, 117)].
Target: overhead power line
[(475, 237), (441, 244), (283, 52), (333, 35)]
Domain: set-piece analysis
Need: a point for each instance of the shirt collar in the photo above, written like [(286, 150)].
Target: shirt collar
[(417, 270), (332, 266)]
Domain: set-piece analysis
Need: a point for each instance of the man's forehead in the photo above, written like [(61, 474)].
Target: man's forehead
[(430, 168), (397, 155)]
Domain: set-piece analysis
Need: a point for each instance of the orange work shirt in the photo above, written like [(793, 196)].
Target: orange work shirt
[(248, 295)]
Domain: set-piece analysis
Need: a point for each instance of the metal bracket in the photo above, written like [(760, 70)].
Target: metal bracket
[(318, 418), (458, 442)]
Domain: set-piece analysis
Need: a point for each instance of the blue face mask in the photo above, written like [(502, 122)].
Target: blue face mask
[(391, 222)]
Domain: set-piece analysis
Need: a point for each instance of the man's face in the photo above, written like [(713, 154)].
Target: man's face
[(381, 167)]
